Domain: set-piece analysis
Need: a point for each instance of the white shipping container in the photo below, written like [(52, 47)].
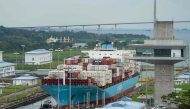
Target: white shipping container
[(86, 60), (101, 83), (118, 60), (101, 79), (83, 60), (90, 60), (114, 75), (109, 66), (113, 66), (80, 64), (121, 68), (80, 76)]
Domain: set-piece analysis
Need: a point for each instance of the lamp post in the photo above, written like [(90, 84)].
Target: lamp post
[(22, 55), (58, 80), (15, 74), (51, 57), (189, 69), (70, 53), (70, 88), (146, 76)]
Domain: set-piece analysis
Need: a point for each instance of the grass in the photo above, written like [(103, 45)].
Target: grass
[(183, 86), (10, 57), (150, 90), (20, 96), (12, 89)]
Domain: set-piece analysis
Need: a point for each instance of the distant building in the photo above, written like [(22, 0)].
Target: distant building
[(6, 69), (77, 45), (184, 78), (25, 79), (1, 55), (56, 39), (38, 57), (3, 84)]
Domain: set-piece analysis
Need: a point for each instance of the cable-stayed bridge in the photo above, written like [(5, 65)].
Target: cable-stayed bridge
[(85, 25)]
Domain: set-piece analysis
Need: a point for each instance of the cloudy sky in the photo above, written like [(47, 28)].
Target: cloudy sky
[(24, 13)]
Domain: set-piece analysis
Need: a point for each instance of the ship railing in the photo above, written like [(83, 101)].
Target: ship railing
[(77, 82), (114, 48), (152, 55)]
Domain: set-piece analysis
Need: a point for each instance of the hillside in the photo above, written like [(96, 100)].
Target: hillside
[(12, 39)]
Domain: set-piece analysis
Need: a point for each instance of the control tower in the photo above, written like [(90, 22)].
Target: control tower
[(163, 51)]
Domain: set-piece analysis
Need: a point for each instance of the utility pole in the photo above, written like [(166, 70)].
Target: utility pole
[(15, 74), (22, 56)]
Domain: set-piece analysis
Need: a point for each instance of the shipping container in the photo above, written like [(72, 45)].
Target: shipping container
[(69, 75)]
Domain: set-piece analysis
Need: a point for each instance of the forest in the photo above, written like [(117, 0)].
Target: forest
[(12, 39)]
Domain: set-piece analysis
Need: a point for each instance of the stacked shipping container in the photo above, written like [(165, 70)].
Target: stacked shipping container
[(94, 71)]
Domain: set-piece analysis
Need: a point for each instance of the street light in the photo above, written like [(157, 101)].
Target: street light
[(15, 74), (146, 76), (70, 52), (189, 69), (22, 55), (51, 57), (58, 79), (70, 88)]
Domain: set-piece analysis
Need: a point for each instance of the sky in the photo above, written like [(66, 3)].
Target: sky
[(26, 13)]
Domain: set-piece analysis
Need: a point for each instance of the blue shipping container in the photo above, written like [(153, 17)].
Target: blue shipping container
[(69, 75), (96, 63), (74, 63)]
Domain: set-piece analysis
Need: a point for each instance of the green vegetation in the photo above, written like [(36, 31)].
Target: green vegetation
[(12, 89), (12, 39), (183, 86), (6, 80), (10, 57), (180, 100), (150, 90), (20, 96)]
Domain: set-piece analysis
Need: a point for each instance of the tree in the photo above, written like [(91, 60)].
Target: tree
[(179, 100)]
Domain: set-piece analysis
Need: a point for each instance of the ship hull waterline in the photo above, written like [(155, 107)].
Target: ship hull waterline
[(79, 93)]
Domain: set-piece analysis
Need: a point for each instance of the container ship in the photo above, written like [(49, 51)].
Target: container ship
[(103, 76)]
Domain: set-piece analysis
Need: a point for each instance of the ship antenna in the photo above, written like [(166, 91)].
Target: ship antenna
[(106, 42)]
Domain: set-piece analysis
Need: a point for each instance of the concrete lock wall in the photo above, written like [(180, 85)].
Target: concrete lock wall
[(164, 81)]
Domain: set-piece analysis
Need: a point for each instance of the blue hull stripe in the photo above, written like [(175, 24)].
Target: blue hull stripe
[(79, 92)]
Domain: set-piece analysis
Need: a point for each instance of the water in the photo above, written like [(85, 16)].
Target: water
[(182, 34), (37, 105)]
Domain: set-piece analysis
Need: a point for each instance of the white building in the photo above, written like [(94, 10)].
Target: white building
[(77, 45), (6, 69), (38, 57), (184, 78), (25, 79), (1, 55)]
